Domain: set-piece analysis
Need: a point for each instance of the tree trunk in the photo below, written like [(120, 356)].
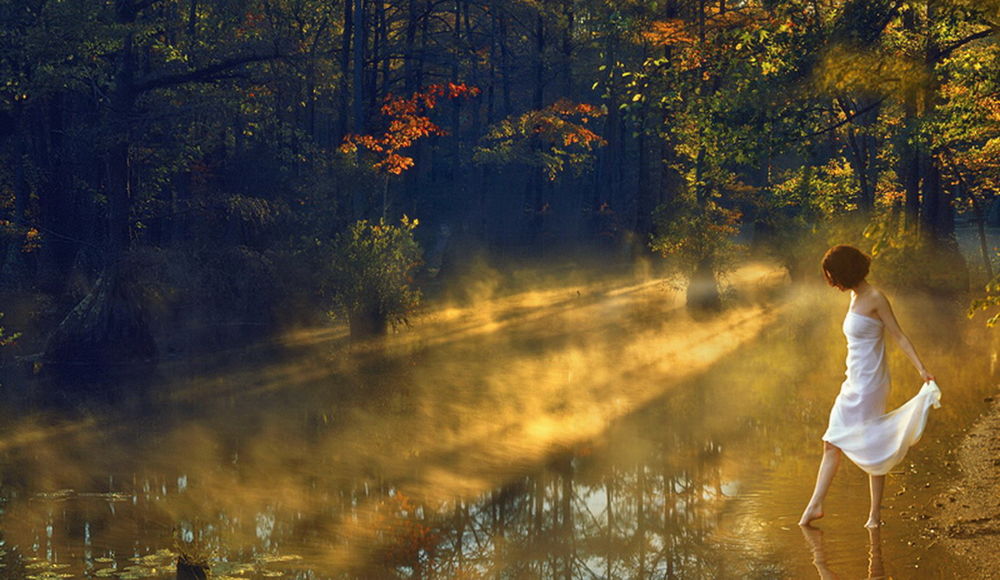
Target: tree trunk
[(14, 269), (343, 96), (360, 42), (367, 321), (108, 328), (977, 208), (505, 67), (703, 288), (909, 164), (863, 153), (609, 158), (59, 211), (645, 201), (107, 332), (569, 18)]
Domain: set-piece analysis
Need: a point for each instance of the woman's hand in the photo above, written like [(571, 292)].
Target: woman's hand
[(926, 376)]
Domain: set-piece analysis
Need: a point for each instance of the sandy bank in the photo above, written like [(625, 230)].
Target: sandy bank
[(967, 514)]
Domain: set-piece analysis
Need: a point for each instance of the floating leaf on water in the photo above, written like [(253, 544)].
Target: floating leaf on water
[(106, 572), (135, 572), (161, 558), (107, 496), (231, 568), (44, 564), (271, 558), (58, 495)]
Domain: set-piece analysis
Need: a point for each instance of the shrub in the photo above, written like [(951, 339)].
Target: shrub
[(371, 275), (700, 237), (988, 302), (908, 259)]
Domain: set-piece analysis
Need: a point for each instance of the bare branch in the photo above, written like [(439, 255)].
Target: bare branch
[(844, 121), (946, 51), (144, 4), (207, 73)]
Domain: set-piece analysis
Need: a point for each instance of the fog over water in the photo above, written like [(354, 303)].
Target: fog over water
[(580, 424)]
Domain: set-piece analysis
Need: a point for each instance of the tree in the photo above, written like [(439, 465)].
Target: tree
[(108, 327), (407, 123)]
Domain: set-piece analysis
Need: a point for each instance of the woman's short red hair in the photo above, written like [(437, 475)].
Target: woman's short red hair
[(845, 266)]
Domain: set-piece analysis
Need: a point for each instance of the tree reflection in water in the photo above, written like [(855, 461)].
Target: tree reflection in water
[(630, 506), (571, 522)]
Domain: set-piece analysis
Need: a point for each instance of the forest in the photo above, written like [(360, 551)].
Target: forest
[(226, 169)]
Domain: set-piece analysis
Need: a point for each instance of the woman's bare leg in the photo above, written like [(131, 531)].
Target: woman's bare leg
[(877, 484), (827, 469)]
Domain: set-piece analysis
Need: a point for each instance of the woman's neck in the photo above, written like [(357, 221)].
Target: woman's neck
[(861, 287)]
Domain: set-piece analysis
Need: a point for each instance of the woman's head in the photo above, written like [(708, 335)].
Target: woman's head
[(845, 266)]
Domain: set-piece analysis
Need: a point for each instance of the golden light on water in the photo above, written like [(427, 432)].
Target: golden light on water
[(343, 456)]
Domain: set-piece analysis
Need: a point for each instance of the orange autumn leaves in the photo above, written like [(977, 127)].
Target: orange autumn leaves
[(554, 138), (408, 122)]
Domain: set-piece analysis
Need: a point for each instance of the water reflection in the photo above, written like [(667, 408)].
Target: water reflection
[(586, 429), (814, 539)]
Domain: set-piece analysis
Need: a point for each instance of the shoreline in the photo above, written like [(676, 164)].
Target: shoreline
[(967, 518)]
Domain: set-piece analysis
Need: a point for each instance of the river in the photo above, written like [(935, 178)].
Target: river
[(573, 426)]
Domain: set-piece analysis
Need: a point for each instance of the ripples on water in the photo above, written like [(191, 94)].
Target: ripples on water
[(588, 429)]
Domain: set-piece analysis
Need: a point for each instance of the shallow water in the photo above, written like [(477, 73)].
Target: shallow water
[(586, 428)]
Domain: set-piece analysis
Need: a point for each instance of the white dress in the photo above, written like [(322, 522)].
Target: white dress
[(874, 440)]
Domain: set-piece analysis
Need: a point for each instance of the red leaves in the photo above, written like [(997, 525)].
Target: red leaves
[(408, 122)]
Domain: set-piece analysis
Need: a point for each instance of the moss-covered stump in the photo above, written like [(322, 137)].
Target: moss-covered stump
[(106, 334)]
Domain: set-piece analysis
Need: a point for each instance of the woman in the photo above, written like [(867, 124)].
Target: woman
[(874, 441)]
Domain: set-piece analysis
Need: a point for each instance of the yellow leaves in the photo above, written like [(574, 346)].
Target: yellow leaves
[(844, 70), (669, 32)]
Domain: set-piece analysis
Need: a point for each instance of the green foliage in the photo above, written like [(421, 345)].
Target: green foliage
[(7, 339), (694, 232), (554, 138), (991, 300), (820, 191), (793, 215), (909, 260), (371, 271)]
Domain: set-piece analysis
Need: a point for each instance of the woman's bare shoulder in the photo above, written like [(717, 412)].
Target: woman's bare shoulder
[(878, 297)]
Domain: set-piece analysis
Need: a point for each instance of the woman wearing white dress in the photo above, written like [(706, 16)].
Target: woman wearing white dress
[(859, 427)]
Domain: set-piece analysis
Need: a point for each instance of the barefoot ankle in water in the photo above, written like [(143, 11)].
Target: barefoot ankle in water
[(873, 522), (811, 513)]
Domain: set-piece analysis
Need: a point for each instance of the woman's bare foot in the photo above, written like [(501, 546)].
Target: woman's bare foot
[(873, 522), (811, 513)]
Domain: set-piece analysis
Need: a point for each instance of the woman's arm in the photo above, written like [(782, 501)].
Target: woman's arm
[(884, 310)]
